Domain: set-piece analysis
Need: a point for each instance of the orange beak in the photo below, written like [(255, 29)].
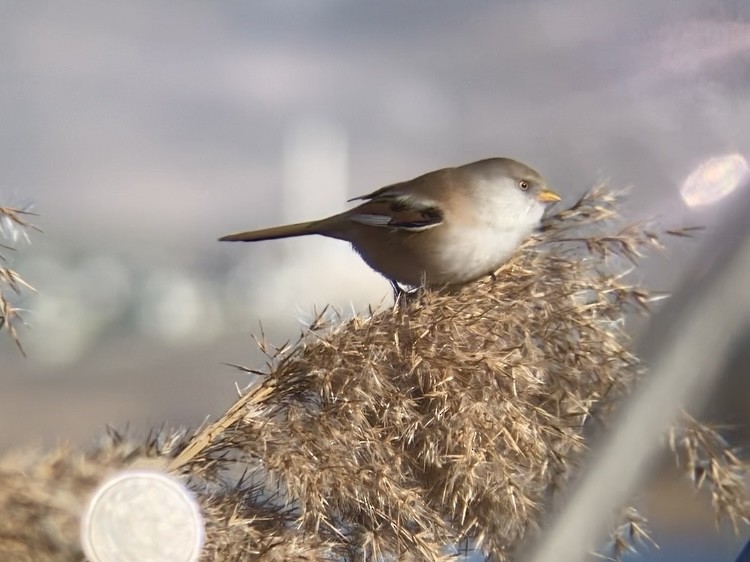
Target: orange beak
[(548, 196)]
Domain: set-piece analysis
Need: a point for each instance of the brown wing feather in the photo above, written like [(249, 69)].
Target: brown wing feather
[(422, 184), (406, 205), (387, 192), (397, 213)]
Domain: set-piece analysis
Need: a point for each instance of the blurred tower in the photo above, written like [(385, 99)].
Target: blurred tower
[(316, 270), (315, 164)]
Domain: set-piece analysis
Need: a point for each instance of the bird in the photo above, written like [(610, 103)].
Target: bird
[(446, 227)]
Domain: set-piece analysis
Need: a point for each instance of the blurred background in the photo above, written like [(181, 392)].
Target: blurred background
[(142, 131)]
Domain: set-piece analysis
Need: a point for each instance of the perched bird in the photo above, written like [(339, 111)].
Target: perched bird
[(446, 227)]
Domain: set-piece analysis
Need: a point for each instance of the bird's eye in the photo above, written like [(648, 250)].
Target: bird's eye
[(524, 185)]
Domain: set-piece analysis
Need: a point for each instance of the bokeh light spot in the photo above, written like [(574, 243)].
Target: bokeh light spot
[(714, 179)]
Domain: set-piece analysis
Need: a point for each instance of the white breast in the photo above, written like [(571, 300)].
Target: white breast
[(480, 247), (475, 252)]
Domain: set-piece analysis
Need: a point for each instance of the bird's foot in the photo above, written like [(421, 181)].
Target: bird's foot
[(401, 295)]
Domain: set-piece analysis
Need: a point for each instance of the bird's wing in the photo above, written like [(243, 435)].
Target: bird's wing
[(397, 207), (388, 192)]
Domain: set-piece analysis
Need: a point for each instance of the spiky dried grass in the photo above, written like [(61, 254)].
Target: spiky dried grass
[(712, 463), (455, 417), (14, 225), (631, 532), (42, 494)]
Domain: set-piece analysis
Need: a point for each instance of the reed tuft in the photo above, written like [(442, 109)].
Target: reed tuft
[(456, 416), (14, 225), (452, 420)]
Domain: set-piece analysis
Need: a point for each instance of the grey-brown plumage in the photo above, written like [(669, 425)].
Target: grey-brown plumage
[(445, 227)]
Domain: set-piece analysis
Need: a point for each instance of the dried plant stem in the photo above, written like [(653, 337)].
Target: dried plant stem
[(14, 224), (209, 434), (457, 417)]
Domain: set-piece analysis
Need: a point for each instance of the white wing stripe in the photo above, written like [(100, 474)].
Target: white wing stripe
[(372, 220)]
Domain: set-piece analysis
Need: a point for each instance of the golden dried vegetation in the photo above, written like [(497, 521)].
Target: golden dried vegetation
[(455, 418)]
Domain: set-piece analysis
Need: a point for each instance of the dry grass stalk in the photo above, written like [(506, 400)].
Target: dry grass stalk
[(456, 415), (14, 225), (630, 531), (43, 495), (246, 524), (712, 463), (46, 494)]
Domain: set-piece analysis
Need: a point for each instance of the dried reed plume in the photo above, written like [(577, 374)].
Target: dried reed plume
[(455, 418), (712, 463), (14, 225), (43, 494)]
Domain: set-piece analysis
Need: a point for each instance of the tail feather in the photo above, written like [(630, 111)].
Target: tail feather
[(274, 233)]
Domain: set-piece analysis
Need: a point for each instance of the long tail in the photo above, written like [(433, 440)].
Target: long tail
[(285, 231)]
